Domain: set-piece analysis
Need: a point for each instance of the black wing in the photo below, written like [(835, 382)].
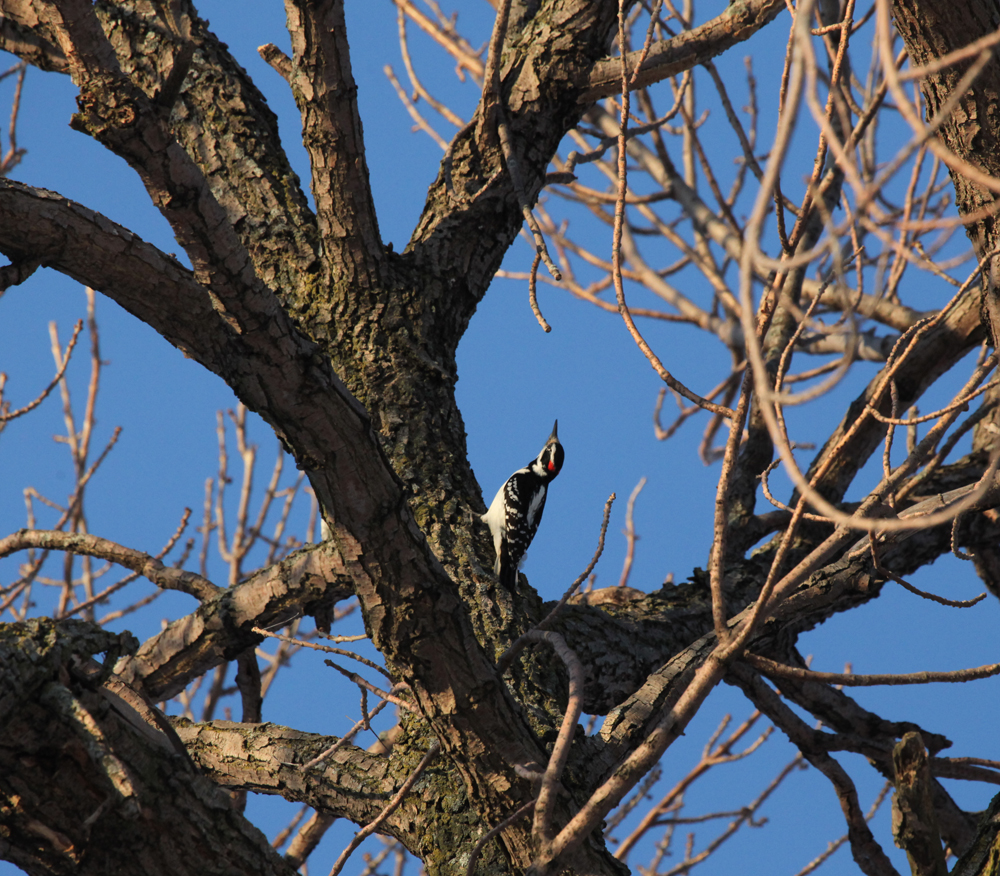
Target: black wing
[(523, 490)]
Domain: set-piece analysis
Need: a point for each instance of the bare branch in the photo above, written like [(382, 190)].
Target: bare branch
[(770, 667), (867, 853), (6, 417), (630, 535), (513, 168), (685, 51), (91, 545)]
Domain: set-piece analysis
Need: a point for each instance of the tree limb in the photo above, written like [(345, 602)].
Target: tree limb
[(93, 546), (739, 22), (115, 768), (326, 94)]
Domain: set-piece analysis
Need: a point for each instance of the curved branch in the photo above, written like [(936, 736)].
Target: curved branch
[(739, 22), (770, 667), (90, 545), (36, 224), (7, 415)]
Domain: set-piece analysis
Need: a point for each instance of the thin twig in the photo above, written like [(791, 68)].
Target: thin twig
[(836, 844), (363, 682), (411, 108), (343, 652), (505, 659), (44, 394), (491, 75), (630, 537), (418, 89), (347, 737), (542, 826), (616, 245), (941, 600), (391, 807), (533, 293), (516, 180), (502, 826), (781, 670)]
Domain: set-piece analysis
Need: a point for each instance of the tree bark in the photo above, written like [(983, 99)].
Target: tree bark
[(348, 350), (90, 784)]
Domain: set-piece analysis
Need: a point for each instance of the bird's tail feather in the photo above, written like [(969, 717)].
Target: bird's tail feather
[(505, 570)]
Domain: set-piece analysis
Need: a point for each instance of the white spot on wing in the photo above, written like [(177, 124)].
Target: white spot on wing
[(536, 504)]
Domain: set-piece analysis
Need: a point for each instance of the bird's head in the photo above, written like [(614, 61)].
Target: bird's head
[(550, 460)]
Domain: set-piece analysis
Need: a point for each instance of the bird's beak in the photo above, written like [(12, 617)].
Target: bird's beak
[(555, 429)]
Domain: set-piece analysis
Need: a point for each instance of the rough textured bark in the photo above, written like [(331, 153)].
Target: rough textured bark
[(118, 775), (983, 857), (930, 30), (915, 825)]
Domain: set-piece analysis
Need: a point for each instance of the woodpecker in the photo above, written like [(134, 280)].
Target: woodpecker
[(516, 511)]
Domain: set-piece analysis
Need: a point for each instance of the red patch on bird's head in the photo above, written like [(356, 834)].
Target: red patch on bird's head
[(551, 466)]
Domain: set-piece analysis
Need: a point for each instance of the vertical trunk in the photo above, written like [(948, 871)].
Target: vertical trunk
[(930, 30)]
